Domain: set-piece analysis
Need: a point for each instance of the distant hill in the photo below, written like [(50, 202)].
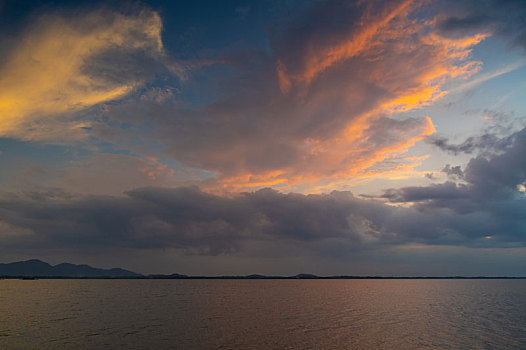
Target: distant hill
[(172, 276), (305, 276), (37, 268)]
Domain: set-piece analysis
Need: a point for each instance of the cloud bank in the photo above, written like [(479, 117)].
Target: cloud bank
[(485, 211)]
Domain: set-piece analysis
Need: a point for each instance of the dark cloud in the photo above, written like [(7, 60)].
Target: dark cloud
[(453, 24), (487, 142), (512, 20), (448, 190), (184, 217), (489, 204), (489, 175), (461, 18), (493, 189), (495, 137), (487, 210), (430, 176), (197, 222), (453, 172), (503, 17), (501, 173)]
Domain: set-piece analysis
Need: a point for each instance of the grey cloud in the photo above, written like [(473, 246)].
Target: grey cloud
[(430, 176), (453, 172), (487, 142), (490, 191), (387, 131), (197, 222), (120, 66), (500, 173), (185, 218), (325, 23), (503, 17), (454, 24), (496, 137), (512, 14), (488, 176), (447, 190)]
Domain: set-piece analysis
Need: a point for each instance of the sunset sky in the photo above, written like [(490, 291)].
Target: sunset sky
[(272, 137)]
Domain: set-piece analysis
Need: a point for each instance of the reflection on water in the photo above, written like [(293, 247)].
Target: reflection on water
[(263, 314)]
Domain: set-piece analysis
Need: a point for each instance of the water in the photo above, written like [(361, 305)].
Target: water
[(263, 314)]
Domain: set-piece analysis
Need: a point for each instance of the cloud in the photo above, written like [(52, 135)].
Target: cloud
[(430, 176), (492, 189), (453, 172), (489, 142), (321, 107), (448, 190), (501, 173), (464, 24), (316, 106), (504, 18), (320, 48), (113, 174), (489, 203), (481, 78), (62, 65)]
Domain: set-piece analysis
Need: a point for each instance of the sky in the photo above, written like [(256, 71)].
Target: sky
[(270, 137)]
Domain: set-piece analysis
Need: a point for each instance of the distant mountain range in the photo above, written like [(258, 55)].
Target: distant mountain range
[(34, 268), (37, 268)]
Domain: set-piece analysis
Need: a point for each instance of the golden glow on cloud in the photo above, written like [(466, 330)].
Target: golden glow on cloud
[(321, 59), (336, 114), (48, 73), (155, 168), (409, 85), (331, 165)]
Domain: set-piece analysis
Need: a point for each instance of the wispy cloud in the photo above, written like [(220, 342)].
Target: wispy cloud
[(481, 78), (67, 64)]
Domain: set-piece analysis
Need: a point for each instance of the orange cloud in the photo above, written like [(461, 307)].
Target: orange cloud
[(334, 162), (409, 85), (401, 56), (322, 111), (53, 71), (361, 40), (154, 168)]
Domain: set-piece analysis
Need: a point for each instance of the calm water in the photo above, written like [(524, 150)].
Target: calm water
[(269, 314)]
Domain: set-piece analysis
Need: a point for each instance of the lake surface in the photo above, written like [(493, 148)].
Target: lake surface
[(263, 314)]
